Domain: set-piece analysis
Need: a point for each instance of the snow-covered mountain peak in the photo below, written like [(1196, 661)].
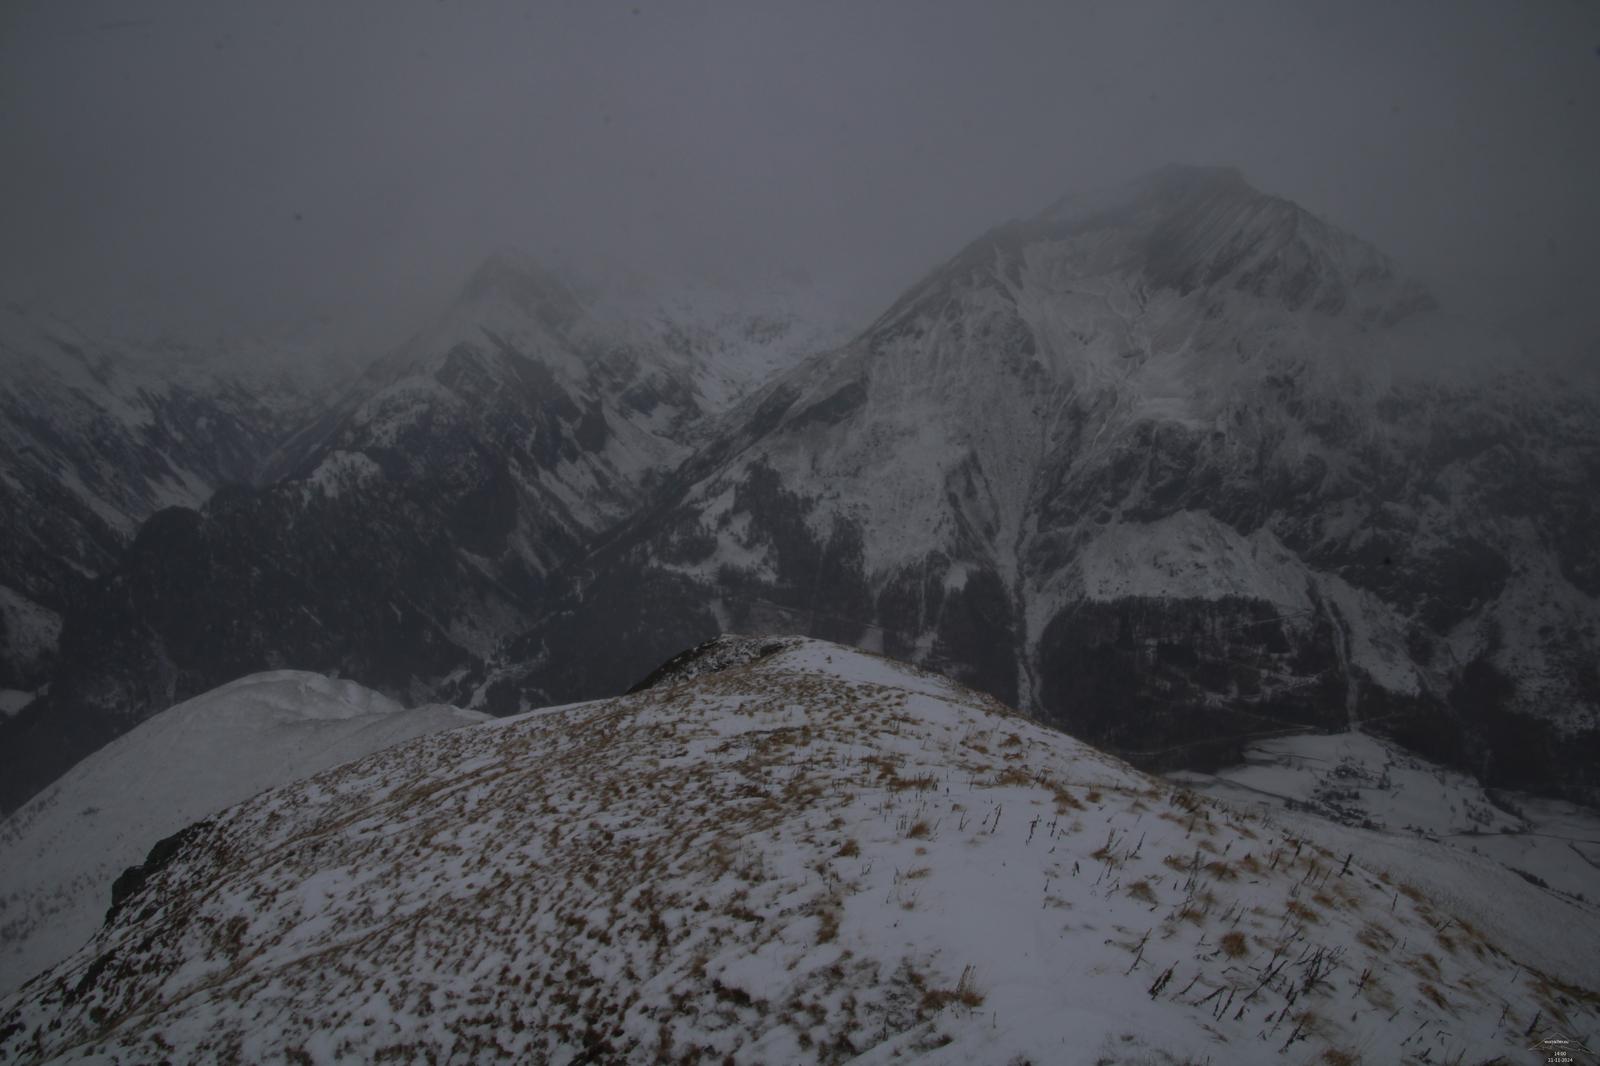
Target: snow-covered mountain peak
[(1169, 183), (1188, 228), (699, 345), (1169, 298)]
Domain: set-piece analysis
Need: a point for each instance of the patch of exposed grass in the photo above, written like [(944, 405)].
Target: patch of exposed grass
[(1141, 890), (1304, 913), (827, 925), (1373, 935), (965, 993), (1434, 996)]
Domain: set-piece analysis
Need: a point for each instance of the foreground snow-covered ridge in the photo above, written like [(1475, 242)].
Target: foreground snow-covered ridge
[(812, 855), (61, 852)]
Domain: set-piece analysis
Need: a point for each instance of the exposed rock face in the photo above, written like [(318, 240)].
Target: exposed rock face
[(131, 881)]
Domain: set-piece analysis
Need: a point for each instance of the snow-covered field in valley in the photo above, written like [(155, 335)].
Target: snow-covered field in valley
[(1361, 780)]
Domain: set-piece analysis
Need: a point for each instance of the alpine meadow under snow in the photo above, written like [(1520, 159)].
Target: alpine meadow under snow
[(784, 850)]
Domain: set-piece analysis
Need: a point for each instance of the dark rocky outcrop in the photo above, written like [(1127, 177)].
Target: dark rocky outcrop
[(131, 881)]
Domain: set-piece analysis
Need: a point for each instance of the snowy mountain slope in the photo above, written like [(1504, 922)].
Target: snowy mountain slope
[(630, 369), (575, 397), (97, 434), (410, 529), (1173, 466), (60, 854), (1363, 780), (812, 855)]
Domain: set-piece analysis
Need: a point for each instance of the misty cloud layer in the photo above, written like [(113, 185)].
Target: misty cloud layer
[(240, 165)]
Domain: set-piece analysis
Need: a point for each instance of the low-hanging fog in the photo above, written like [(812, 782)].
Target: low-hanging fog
[(241, 166)]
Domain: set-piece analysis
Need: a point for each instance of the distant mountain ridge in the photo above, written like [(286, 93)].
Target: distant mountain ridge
[(97, 434), (1170, 466), (408, 528)]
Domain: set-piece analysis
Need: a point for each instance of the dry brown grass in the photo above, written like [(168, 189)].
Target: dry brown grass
[(1013, 776), (827, 925), (1141, 890), (1304, 913), (1553, 988), (1425, 966), (965, 993), (1066, 801), (849, 849), (1373, 935), (1235, 945)]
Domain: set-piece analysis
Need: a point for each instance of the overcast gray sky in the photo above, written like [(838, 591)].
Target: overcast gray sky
[(222, 163)]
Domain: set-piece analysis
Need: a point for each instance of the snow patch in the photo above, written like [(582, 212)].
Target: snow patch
[(1191, 555), (31, 630), (342, 471)]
